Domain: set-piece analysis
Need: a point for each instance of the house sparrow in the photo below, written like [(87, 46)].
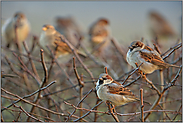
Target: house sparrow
[(99, 33), (70, 29), (140, 53), (110, 90), (23, 28), (50, 37), (159, 25)]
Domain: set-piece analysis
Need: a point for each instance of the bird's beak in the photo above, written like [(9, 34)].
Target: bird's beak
[(44, 28), (130, 47)]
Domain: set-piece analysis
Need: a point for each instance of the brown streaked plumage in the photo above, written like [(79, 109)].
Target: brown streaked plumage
[(140, 53), (51, 37), (68, 27), (100, 33), (110, 90)]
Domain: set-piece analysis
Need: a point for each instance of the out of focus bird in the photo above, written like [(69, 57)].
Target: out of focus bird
[(100, 34), (50, 37), (16, 29), (159, 25), (68, 27)]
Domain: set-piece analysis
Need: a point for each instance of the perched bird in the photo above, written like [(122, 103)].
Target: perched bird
[(140, 53), (20, 22), (159, 25), (68, 27), (110, 90), (50, 37), (100, 34)]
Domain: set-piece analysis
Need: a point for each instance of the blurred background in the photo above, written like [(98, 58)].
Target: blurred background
[(128, 20)]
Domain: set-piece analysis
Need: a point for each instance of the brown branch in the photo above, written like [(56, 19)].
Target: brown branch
[(111, 112), (142, 105), (76, 73), (88, 112), (24, 97), (175, 48), (152, 85), (26, 101), (178, 45), (30, 59), (149, 111), (85, 108), (177, 114), (18, 116), (24, 67), (77, 56), (161, 94), (78, 104), (157, 48), (133, 81), (119, 49), (131, 73), (14, 99), (80, 83), (62, 69), (20, 107), (99, 63), (172, 83), (12, 67), (81, 96), (43, 83)]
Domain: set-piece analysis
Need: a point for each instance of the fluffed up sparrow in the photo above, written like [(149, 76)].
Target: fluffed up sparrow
[(140, 53), (50, 37), (110, 90), (22, 25), (100, 34), (68, 27)]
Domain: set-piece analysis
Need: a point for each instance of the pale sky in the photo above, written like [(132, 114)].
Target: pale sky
[(128, 19)]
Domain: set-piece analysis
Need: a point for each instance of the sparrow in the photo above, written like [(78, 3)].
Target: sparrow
[(100, 34), (22, 25), (112, 91), (68, 27), (159, 25), (50, 37), (151, 60)]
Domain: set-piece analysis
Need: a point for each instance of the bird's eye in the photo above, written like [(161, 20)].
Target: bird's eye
[(101, 82)]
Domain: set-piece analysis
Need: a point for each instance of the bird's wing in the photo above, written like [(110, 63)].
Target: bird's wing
[(152, 58), (61, 45), (117, 88)]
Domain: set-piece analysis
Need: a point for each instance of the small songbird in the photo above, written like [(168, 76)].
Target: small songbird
[(159, 25), (22, 25), (50, 37), (100, 34), (68, 27), (110, 90), (140, 53)]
